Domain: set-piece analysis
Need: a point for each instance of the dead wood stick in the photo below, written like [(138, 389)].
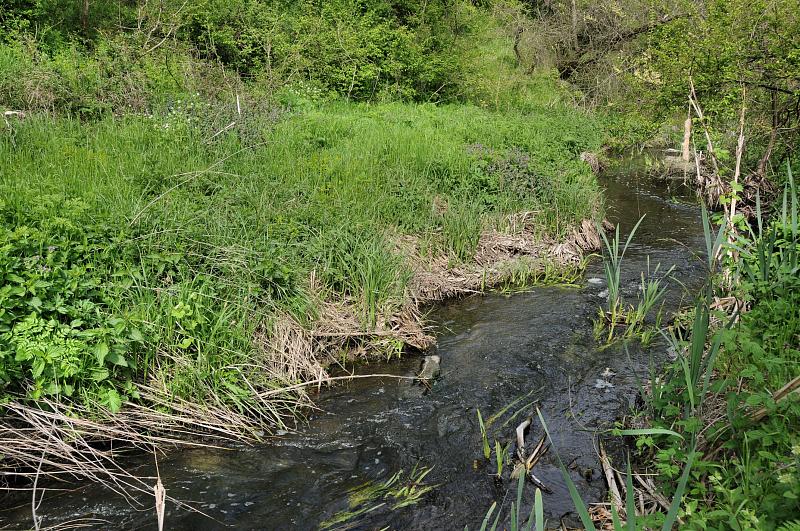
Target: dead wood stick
[(521, 438), (655, 496), (699, 111), (791, 387), (616, 499)]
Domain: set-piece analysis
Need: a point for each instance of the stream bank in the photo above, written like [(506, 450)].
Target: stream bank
[(529, 347)]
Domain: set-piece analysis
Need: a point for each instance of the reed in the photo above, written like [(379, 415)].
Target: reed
[(535, 520), (487, 449), (652, 289)]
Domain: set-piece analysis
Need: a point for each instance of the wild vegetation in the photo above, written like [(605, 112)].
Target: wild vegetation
[(205, 204), (731, 394), (201, 213), (720, 81)]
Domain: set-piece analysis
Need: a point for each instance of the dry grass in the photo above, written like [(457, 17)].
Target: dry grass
[(67, 442), (63, 443), (439, 277)]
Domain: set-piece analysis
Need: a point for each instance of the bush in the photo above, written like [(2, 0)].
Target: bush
[(58, 335)]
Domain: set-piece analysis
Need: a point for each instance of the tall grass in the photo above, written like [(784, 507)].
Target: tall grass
[(223, 232), (651, 291)]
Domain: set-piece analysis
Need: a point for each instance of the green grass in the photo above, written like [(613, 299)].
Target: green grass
[(196, 243)]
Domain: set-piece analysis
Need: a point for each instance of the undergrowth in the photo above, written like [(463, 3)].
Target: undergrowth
[(146, 249), (731, 393)]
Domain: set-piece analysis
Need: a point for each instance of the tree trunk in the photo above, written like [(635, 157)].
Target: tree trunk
[(85, 17)]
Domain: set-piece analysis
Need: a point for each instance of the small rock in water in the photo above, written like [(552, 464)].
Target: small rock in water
[(430, 368), (595, 280), (602, 384), (603, 294)]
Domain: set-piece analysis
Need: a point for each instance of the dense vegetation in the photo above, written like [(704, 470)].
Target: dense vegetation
[(131, 239), (189, 177), (732, 393), (727, 410), (188, 183)]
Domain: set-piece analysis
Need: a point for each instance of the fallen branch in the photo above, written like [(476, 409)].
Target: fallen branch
[(791, 387), (613, 489)]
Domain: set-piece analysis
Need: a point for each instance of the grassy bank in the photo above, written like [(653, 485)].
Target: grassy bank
[(722, 424), (217, 267)]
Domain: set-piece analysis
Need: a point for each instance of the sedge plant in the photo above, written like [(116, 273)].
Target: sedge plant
[(612, 268)]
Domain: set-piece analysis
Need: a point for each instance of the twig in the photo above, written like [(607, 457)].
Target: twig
[(616, 498), (791, 387), (160, 494), (696, 105)]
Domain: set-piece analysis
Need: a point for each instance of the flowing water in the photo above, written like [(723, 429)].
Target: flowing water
[(536, 348)]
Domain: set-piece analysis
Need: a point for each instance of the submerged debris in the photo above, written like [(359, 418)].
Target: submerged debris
[(430, 368), (527, 462), (603, 384)]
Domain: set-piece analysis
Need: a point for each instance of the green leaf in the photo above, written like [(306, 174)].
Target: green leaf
[(136, 335), (38, 367), (486, 518), (98, 375), (651, 431), (117, 359), (113, 401), (672, 514), (630, 502), (100, 352), (615, 518)]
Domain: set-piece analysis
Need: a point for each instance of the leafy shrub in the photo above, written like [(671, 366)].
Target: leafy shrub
[(508, 171), (57, 333), (358, 49)]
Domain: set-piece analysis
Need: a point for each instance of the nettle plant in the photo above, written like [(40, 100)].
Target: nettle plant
[(58, 335)]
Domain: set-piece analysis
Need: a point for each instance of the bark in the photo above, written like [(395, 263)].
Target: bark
[(85, 17)]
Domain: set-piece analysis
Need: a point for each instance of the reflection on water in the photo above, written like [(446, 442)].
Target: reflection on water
[(494, 349)]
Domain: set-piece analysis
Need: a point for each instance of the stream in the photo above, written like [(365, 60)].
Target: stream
[(529, 349)]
